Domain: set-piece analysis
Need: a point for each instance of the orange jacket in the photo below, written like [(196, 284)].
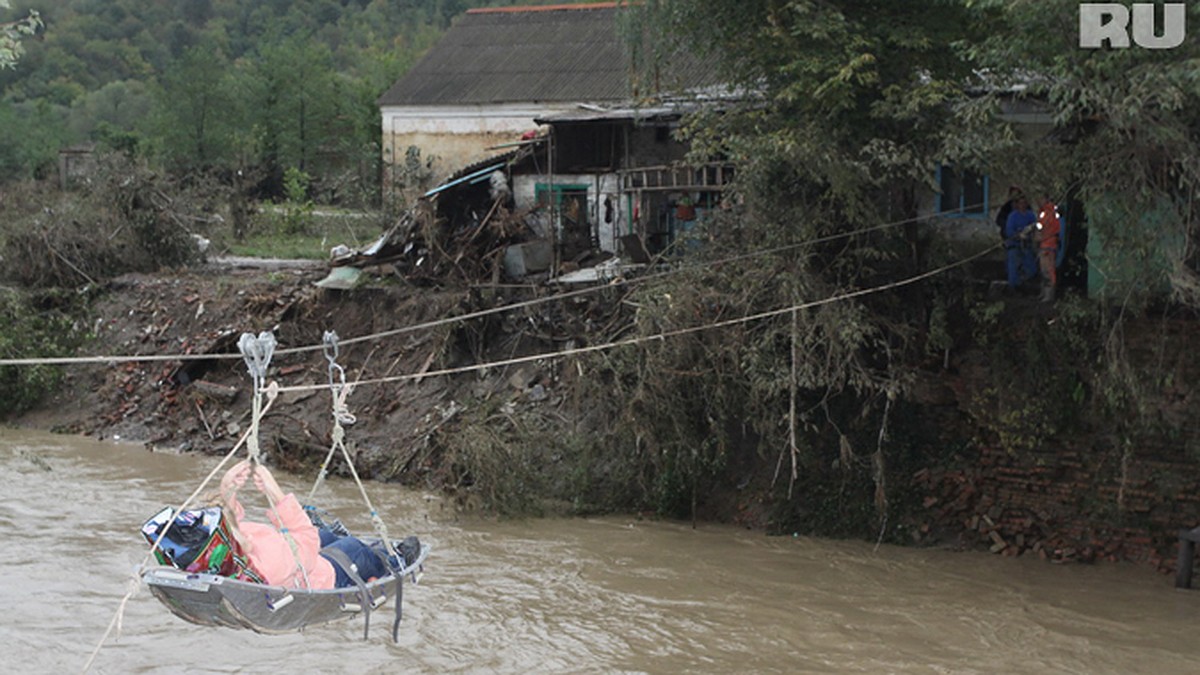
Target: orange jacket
[(1048, 226)]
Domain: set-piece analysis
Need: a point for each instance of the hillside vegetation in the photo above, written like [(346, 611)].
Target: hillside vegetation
[(215, 84)]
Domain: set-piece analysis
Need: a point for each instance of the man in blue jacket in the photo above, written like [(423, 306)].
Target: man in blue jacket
[(1022, 263)]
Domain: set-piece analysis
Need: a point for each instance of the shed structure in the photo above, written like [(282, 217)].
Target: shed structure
[(491, 76)]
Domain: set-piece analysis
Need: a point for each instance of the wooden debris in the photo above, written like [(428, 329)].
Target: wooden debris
[(217, 392)]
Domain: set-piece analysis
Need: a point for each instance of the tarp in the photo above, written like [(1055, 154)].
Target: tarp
[(471, 177)]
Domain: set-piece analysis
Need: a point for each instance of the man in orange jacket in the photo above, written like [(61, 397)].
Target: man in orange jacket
[(1049, 229)]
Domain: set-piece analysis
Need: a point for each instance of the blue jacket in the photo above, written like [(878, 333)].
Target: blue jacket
[(1017, 222)]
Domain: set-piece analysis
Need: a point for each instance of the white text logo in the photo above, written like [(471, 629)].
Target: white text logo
[(1101, 22)]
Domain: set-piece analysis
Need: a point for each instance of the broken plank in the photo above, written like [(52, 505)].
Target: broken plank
[(218, 392)]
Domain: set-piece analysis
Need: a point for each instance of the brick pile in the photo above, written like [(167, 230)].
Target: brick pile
[(1082, 499), (1064, 506)]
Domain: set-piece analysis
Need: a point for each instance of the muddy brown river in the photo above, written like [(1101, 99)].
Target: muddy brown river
[(577, 596)]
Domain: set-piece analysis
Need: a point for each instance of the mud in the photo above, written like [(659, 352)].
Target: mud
[(202, 405)]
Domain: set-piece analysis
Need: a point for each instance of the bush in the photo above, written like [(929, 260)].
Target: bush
[(33, 325), (125, 218)]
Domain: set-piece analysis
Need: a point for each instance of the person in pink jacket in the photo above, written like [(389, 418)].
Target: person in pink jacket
[(267, 549)]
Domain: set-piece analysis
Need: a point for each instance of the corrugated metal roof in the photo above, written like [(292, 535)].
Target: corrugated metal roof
[(521, 55), (590, 113)]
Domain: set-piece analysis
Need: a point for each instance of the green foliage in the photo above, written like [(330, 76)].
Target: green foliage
[(42, 325), (985, 321), (195, 116), (233, 84), (270, 237), (11, 34), (293, 100), (297, 208), (849, 121), (939, 339), (855, 96), (1130, 119), (112, 114), (1041, 370), (30, 136)]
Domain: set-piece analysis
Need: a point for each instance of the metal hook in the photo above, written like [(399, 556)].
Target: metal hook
[(331, 353), (331, 344), (257, 353)]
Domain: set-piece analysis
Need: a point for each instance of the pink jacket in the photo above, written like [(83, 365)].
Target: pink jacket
[(268, 551)]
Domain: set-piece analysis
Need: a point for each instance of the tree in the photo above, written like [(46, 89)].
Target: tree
[(31, 134), (11, 33), (1126, 146), (848, 96), (112, 114), (196, 112), (844, 117), (295, 100)]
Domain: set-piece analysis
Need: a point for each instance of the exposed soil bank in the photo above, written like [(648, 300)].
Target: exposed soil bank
[(203, 405), (1010, 454)]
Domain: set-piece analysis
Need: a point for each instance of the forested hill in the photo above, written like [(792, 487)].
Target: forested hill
[(211, 83)]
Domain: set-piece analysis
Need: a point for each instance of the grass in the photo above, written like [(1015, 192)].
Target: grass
[(270, 237)]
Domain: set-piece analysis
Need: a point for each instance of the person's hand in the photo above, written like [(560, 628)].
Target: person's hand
[(235, 478), (265, 482)]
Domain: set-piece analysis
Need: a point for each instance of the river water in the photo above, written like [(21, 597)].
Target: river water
[(575, 595)]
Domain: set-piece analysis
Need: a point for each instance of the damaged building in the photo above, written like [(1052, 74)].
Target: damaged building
[(528, 149), (598, 186)]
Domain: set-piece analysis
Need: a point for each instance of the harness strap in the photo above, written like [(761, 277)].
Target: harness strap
[(343, 561), (399, 610), (395, 572)]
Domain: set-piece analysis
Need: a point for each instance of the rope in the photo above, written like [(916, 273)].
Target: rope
[(340, 396), (664, 335), (135, 358), (134, 579), (339, 391), (257, 353)]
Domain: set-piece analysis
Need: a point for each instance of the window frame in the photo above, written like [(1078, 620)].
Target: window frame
[(958, 211)]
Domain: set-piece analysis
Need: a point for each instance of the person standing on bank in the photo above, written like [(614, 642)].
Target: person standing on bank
[(1049, 229), (1006, 209), (1021, 264)]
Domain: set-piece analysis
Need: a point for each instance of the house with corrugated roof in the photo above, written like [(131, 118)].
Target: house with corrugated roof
[(559, 82), (491, 75)]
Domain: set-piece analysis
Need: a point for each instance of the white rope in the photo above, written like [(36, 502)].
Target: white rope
[(660, 336), (330, 340), (135, 578), (257, 353), (339, 391), (322, 473), (134, 358)]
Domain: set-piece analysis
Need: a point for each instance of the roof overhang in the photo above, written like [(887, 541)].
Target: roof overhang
[(593, 113)]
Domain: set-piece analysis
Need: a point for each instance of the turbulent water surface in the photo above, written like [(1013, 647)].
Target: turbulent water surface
[(584, 595)]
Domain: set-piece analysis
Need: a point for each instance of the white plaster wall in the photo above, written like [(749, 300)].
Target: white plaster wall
[(455, 136)]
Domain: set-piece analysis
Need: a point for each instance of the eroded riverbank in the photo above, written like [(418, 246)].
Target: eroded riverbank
[(970, 458)]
